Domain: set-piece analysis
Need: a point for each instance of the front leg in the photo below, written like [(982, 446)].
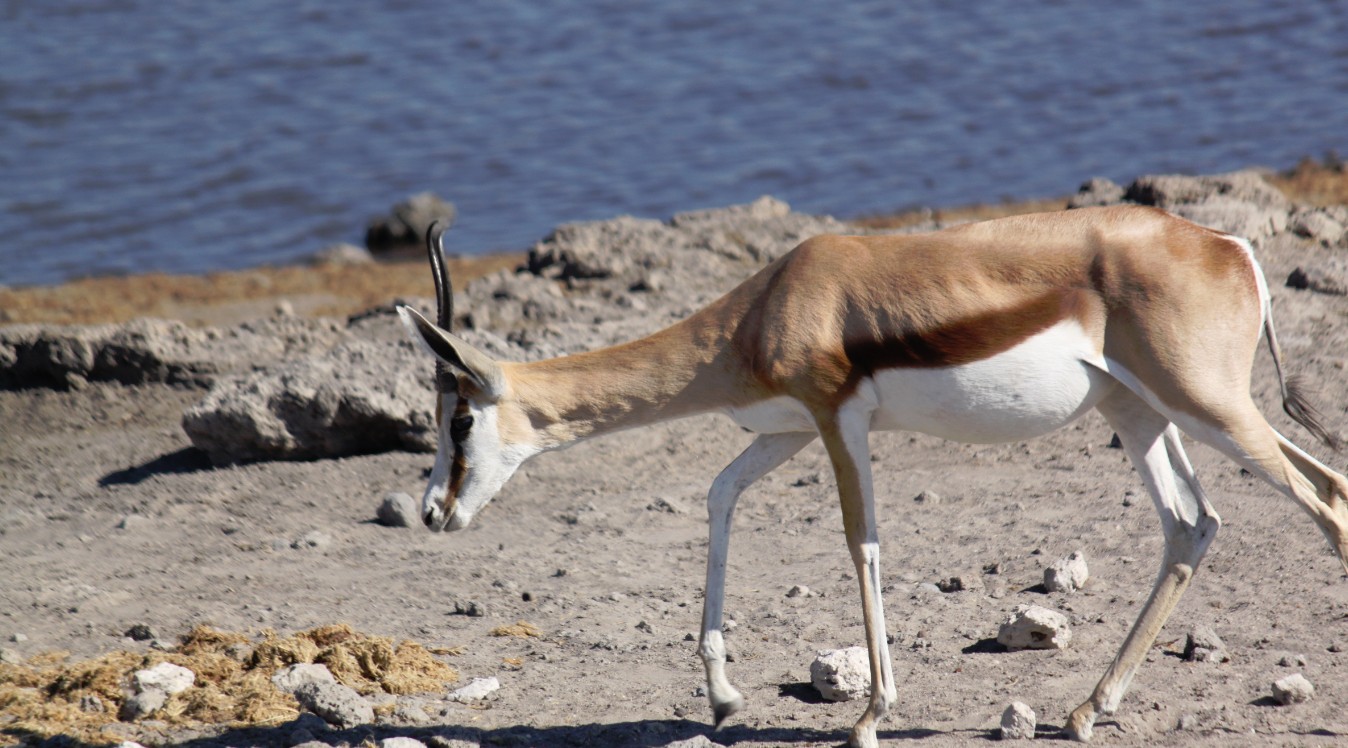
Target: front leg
[(846, 436), (760, 458)]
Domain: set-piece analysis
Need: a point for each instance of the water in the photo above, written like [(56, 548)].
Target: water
[(185, 137)]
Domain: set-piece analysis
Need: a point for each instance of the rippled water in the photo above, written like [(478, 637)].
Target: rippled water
[(138, 135)]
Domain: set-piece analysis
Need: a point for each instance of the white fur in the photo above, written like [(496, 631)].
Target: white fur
[(1041, 384), (1036, 387)]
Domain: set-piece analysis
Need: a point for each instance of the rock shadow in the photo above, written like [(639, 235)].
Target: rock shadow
[(185, 460), (989, 645)]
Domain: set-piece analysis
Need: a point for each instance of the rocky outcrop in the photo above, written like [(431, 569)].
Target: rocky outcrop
[(147, 351), (360, 397), (1242, 203)]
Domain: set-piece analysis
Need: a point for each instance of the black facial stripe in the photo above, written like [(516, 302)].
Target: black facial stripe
[(458, 468)]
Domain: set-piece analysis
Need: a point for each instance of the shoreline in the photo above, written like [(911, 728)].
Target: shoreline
[(228, 297)]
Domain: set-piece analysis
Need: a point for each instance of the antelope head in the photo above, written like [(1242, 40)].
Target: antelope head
[(483, 435)]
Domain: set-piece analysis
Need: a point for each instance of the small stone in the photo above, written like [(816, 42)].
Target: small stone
[(1203, 645), (401, 743), (1293, 689), (1018, 722), (928, 498), (645, 628), (1292, 661), (411, 714), (953, 584), (842, 674), (1067, 574), (18, 638), (289, 679), (1034, 627), (142, 704), (398, 510), (9, 656), (798, 590), (134, 522), (1187, 722), (91, 704), (165, 677), (141, 632), (663, 505), (337, 704), (471, 608), (476, 690), (316, 539)]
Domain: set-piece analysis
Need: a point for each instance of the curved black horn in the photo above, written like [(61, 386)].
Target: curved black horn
[(444, 294), (444, 299)]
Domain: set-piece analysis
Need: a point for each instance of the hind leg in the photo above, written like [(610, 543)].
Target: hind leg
[(1328, 504), (1320, 491), (1190, 523)]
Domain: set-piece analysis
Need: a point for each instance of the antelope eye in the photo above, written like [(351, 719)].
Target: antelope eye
[(459, 426)]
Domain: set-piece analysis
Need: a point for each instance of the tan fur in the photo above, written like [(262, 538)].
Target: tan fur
[(837, 308)]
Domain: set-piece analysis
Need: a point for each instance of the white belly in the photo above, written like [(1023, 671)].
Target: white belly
[(1032, 389)]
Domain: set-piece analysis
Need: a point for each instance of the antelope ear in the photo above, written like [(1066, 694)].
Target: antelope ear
[(456, 352)]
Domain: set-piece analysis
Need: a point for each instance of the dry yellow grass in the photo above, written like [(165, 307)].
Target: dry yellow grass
[(521, 629), (43, 697)]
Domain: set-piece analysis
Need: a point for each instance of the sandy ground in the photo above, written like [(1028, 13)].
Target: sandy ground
[(602, 546)]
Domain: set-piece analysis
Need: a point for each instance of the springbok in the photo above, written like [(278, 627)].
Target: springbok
[(987, 332)]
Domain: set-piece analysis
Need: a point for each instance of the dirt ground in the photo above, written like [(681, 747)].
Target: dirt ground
[(109, 519)]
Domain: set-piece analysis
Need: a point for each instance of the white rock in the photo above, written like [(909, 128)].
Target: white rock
[(1034, 627), (401, 743), (337, 704), (1018, 722), (1203, 645), (289, 679), (1067, 574), (478, 688), (842, 674), (142, 704), (165, 677), (1293, 689), (399, 510)]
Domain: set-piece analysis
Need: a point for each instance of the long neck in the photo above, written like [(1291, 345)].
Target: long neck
[(680, 371)]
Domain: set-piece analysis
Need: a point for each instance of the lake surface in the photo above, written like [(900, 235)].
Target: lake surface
[(185, 137)]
